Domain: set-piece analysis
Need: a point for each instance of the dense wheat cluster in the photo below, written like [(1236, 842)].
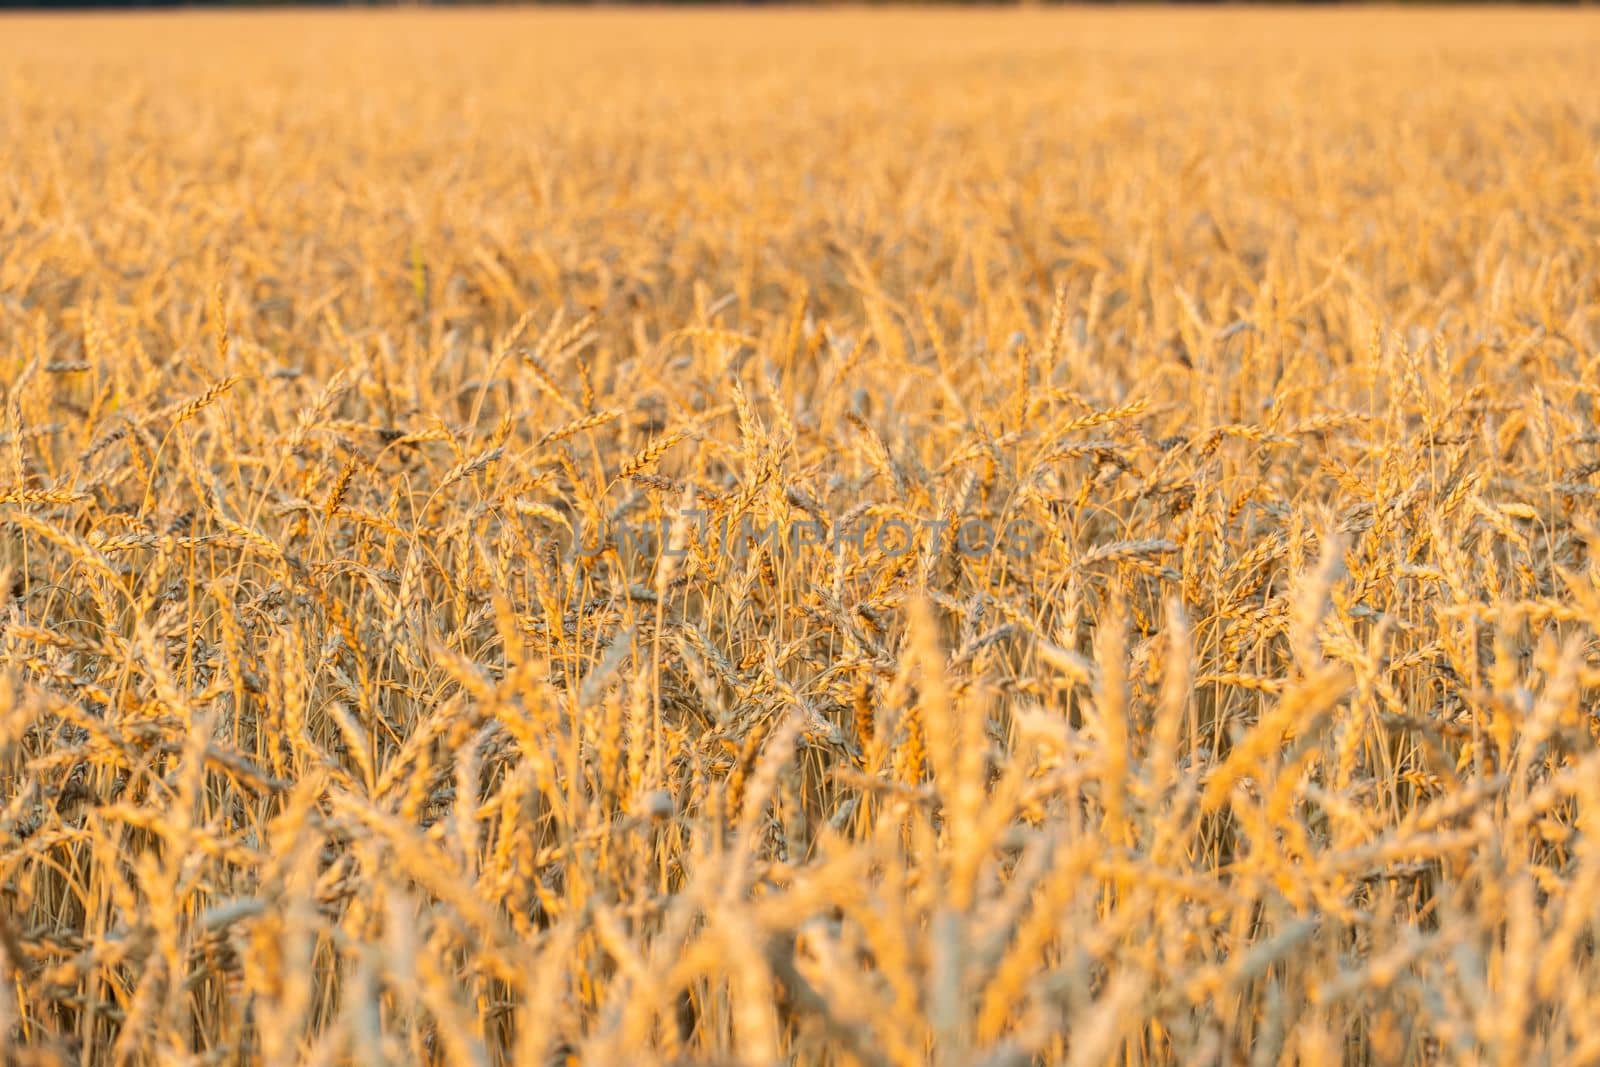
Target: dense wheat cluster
[(833, 538)]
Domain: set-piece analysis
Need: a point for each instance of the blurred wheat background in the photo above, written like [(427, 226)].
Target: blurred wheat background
[(341, 721)]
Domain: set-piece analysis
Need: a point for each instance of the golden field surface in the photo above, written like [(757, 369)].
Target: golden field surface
[(1121, 583)]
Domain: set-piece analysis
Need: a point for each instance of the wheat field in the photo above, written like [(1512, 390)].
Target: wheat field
[(840, 537)]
